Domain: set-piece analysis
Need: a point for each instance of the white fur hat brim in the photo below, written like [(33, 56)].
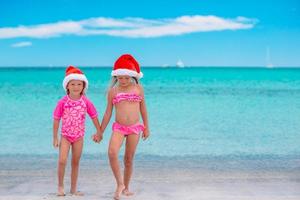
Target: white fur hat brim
[(126, 72), (79, 77)]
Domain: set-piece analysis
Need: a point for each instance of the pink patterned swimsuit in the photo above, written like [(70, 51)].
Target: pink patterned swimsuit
[(72, 113), (126, 97), (123, 129)]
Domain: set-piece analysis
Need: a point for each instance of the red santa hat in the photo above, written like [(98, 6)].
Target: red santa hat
[(127, 65), (73, 73)]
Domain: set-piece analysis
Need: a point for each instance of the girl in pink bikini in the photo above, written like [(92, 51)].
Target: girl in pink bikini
[(127, 96), (71, 109)]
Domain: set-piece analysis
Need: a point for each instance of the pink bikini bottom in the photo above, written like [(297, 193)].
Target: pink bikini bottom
[(72, 139), (127, 130)]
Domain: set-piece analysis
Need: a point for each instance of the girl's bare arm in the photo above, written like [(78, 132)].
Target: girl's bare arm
[(108, 111), (55, 133), (144, 114)]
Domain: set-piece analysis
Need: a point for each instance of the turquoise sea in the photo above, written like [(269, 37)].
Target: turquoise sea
[(194, 112)]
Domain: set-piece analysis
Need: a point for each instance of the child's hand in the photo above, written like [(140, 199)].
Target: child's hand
[(55, 143), (146, 134), (97, 137)]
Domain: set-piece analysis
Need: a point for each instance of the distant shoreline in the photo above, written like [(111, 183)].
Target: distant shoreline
[(157, 67)]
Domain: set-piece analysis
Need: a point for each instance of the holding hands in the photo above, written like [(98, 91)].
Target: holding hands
[(97, 137)]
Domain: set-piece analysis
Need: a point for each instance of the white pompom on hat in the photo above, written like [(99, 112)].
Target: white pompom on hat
[(73, 73), (127, 65)]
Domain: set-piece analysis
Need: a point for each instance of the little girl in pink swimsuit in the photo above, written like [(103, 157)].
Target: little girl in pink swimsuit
[(127, 96), (71, 109)]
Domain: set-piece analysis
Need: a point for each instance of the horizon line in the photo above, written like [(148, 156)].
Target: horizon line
[(154, 66)]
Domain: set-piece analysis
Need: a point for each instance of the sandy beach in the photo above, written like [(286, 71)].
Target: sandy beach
[(165, 181)]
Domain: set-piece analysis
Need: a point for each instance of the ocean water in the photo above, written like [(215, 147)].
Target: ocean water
[(195, 113), (216, 133)]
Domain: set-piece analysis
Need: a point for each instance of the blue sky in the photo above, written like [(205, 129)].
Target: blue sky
[(156, 32)]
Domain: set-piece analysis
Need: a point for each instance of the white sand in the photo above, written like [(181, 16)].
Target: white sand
[(168, 183)]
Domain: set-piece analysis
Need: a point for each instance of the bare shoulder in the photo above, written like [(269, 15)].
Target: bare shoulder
[(111, 93), (140, 89)]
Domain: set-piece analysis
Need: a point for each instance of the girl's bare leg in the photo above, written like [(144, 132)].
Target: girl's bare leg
[(62, 161), (131, 144), (76, 154), (115, 143)]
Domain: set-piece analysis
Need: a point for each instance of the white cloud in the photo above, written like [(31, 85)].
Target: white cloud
[(130, 27), (21, 44)]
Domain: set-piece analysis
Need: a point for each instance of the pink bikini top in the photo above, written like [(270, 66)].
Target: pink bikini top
[(126, 97)]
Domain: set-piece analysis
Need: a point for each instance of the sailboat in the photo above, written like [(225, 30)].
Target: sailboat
[(179, 64)]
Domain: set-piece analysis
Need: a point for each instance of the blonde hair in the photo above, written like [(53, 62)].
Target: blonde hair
[(114, 81)]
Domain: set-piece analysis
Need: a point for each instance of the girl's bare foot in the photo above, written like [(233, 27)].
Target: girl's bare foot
[(60, 192), (118, 192), (78, 193), (126, 192)]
